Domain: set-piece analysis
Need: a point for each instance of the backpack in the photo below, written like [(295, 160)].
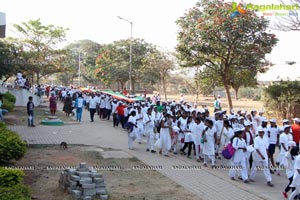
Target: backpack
[(228, 152)]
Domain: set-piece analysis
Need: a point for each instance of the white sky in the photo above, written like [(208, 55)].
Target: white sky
[(153, 20)]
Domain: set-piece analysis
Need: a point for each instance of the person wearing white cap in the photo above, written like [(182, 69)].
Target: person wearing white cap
[(140, 124), (196, 134), (218, 124), (248, 137), (296, 131), (149, 130), (188, 138), (165, 133), (296, 178), (273, 134), (260, 157), (284, 139), (239, 157), (132, 134), (226, 134), (290, 157), (182, 122), (209, 135)]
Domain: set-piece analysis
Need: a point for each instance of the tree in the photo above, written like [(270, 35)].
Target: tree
[(112, 63), (160, 64), (39, 44), (292, 21), (88, 51), (208, 37), (8, 59)]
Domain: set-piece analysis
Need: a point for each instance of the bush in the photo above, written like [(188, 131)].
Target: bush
[(11, 98), (283, 99), (11, 146), (17, 192), (10, 177), (11, 186), (8, 105)]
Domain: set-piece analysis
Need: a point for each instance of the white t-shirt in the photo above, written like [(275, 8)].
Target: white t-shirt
[(274, 132), (188, 135), (79, 102), (260, 144), (197, 130), (92, 103), (283, 139), (148, 126)]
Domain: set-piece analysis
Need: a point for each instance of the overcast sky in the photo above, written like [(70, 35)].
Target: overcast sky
[(153, 20)]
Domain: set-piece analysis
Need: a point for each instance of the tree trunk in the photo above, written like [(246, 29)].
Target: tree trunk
[(132, 85), (38, 78), (163, 83), (236, 90), (228, 95)]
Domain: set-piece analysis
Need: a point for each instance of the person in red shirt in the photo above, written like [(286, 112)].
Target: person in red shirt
[(121, 114), (125, 92), (296, 131)]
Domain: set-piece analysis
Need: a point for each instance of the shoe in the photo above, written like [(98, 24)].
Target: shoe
[(246, 181), (32, 125), (232, 178), (270, 184), (205, 165), (152, 151), (271, 171), (240, 178), (251, 180), (285, 195), (159, 151), (166, 155), (147, 149), (189, 157), (140, 142), (175, 153), (198, 160)]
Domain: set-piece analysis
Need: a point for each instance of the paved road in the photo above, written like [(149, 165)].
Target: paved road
[(206, 183)]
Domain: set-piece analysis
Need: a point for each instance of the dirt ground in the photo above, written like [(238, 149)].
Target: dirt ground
[(123, 183)]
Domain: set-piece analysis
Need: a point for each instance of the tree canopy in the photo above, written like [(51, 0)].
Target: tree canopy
[(39, 48), (209, 38)]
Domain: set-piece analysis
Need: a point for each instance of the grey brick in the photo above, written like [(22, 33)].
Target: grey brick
[(88, 186), (104, 197), (86, 198), (76, 194), (98, 180), (83, 165), (101, 191), (88, 192), (83, 174), (75, 178), (100, 185), (86, 180), (97, 175)]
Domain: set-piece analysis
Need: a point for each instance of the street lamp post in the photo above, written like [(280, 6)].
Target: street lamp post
[(130, 55), (79, 68)]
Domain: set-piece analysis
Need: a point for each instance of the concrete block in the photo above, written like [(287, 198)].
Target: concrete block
[(104, 197), (75, 178), (87, 198), (96, 175), (101, 191), (82, 165), (86, 180), (83, 174), (88, 192), (92, 170), (76, 194), (100, 185), (98, 180), (70, 171), (88, 186), (74, 183)]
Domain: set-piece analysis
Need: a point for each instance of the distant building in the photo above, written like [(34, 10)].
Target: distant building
[(2, 24)]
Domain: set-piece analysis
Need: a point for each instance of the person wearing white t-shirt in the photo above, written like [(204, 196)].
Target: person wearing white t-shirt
[(260, 157), (114, 105), (188, 138), (149, 130), (79, 107), (197, 130), (273, 134), (92, 106), (296, 178)]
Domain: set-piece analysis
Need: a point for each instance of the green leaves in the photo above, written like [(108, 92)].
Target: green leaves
[(209, 38)]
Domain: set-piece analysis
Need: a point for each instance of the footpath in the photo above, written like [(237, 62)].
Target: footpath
[(206, 183)]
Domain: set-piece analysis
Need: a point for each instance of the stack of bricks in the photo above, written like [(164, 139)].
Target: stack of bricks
[(83, 183)]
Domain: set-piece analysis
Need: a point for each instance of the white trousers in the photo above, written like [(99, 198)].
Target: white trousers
[(211, 157), (263, 165), (239, 166), (150, 141), (130, 141), (296, 192)]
